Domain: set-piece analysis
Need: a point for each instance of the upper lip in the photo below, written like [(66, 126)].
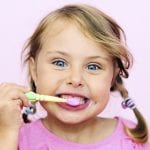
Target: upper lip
[(73, 94)]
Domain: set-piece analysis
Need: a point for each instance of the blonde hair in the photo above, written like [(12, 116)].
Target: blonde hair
[(101, 28)]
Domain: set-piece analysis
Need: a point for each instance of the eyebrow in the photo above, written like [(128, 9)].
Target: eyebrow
[(57, 52), (90, 57), (98, 57)]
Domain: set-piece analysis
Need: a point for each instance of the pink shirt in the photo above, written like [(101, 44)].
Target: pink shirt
[(34, 136)]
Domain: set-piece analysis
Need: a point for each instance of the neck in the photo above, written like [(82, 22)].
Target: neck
[(80, 133)]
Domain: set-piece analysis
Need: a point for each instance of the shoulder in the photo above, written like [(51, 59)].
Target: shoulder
[(33, 136), (125, 139), (121, 123), (31, 125), (31, 129)]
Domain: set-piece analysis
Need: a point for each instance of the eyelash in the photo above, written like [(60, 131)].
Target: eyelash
[(57, 61), (96, 67)]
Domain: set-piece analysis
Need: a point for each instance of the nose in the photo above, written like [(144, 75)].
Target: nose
[(75, 78)]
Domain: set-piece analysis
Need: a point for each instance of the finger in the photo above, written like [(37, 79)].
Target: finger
[(14, 91), (19, 102), (14, 94), (23, 99)]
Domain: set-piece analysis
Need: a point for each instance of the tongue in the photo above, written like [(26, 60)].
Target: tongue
[(73, 101)]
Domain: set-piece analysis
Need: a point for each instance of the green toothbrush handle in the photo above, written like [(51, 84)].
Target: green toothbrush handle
[(38, 97), (31, 96)]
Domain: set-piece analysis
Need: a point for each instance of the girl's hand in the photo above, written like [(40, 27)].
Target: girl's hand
[(12, 99)]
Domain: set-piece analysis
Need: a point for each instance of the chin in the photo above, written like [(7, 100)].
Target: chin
[(70, 121), (74, 120)]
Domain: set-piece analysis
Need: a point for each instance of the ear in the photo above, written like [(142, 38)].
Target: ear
[(32, 69)]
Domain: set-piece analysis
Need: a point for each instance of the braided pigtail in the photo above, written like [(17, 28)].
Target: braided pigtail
[(140, 132)]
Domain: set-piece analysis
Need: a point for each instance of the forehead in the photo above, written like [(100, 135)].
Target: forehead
[(69, 32), (71, 39)]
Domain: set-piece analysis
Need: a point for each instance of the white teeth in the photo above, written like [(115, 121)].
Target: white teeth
[(82, 101)]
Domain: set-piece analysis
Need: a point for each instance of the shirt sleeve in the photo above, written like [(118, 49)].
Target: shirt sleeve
[(145, 146), (129, 144)]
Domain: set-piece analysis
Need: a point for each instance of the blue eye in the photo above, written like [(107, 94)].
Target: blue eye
[(59, 63), (93, 67)]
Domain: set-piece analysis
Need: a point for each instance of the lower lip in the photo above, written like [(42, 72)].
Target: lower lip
[(74, 108)]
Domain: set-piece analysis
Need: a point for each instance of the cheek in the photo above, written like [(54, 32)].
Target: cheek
[(101, 96), (101, 89), (101, 93), (48, 81), (101, 83)]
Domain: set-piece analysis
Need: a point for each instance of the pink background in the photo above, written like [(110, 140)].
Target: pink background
[(18, 20)]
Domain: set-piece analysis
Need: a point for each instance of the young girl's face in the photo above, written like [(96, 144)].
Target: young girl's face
[(72, 66)]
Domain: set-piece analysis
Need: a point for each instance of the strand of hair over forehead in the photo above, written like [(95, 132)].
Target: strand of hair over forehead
[(93, 13)]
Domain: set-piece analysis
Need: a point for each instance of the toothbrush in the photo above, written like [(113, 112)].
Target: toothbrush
[(33, 97)]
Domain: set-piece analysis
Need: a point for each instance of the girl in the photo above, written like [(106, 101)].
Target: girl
[(76, 52)]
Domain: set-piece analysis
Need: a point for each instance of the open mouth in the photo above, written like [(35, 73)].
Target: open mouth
[(74, 100)]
